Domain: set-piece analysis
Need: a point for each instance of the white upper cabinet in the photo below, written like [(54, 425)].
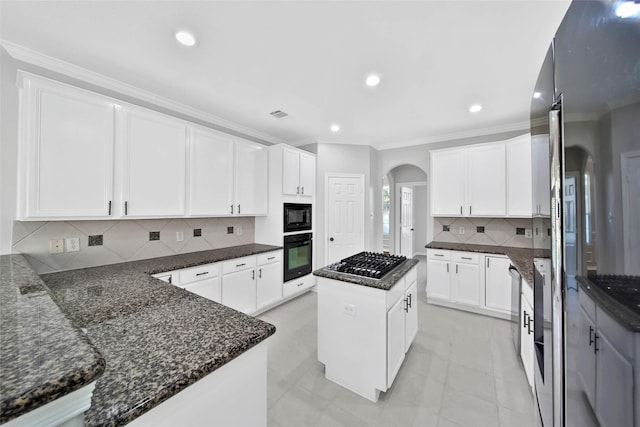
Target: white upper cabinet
[(298, 173), (519, 178), (252, 179), (154, 152), (211, 173), (66, 152), (541, 179), (448, 182), (487, 180), (480, 181)]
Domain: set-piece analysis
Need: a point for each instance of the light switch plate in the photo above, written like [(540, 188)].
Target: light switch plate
[(461, 230), (72, 244), (238, 230), (179, 236)]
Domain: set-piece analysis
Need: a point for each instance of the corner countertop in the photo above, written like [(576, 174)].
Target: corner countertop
[(43, 356), (521, 258), (385, 283), (156, 338), (625, 316)]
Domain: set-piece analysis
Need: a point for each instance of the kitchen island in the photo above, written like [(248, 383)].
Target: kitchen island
[(365, 326), (158, 339)]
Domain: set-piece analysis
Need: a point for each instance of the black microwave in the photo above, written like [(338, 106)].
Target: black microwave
[(297, 217)]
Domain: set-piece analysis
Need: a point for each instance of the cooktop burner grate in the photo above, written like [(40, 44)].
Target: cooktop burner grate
[(368, 264)]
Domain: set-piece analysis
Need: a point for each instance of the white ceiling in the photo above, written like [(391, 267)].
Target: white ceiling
[(310, 59)]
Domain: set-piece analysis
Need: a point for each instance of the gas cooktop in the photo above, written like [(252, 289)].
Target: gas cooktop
[(368, 264), (624, 289)]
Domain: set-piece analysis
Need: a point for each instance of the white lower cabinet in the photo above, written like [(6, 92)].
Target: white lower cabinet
[(438, 275), (466, 279), (364, 333), (239, 290), (526, 333), (606, 365), (269, 286), (497, 283)]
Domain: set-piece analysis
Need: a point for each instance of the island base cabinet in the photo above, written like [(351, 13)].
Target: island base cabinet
[(614, 386), (395, 339), (233, 395)]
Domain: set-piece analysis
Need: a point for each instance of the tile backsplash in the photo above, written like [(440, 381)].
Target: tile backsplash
[(484, 231), (125, 240)]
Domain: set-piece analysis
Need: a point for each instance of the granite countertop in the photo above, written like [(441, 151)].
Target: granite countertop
[(385, 283), (624, 315), (43, 356), (521, 258), (156, 338)]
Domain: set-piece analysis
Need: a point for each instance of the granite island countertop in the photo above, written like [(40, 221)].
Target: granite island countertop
[(521, 258), (385, 283), (156, 338), (627, 317), (43, 356)]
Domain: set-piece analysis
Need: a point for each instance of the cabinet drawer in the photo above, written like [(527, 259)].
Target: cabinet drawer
[(410, 277), (468, 257), (269, 257), (587, 305), (202, 272), (238, 264), (298, 285), (395, 293), (439, 254)]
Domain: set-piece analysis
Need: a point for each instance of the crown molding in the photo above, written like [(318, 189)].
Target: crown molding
[(511, 127), (39, 59)]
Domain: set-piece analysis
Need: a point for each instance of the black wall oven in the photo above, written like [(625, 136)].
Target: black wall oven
[(297, 217), (298, 255)]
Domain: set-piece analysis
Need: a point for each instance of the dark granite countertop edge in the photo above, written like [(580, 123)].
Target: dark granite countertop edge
[(619, 312), (386, 283)]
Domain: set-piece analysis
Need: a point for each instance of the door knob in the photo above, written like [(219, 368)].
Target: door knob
[(412, 229), (331, 239)]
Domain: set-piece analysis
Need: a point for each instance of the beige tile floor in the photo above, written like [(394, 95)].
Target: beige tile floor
[(460, 371)]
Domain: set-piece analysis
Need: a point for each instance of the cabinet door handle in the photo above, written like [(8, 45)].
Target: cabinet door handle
[(525, 321), (126, 208), (238, 209), (529, 330), (460, 209), (409, 300), (591, 341), (260, 273), (447, 267), (109, 207), (406, 305), (253, 274), (439, 254), (231, 209), (488, 262), (301, 190), (170, 279), (297, 190), (270, 258), (465, 257), (469, 210), (240, 265), (456, 268), (202, 274), (595, 343), (300, 284)]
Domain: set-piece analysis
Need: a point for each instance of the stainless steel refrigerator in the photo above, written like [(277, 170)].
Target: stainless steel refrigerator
[(585, 127)]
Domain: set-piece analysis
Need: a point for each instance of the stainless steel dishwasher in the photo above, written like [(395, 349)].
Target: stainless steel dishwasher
[(516, 283)]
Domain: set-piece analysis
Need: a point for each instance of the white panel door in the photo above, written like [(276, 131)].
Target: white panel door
[(155, 164), (487, 190), (406, 221), (497, 284), (269, 286), (70, 140), (239, 290), (519, 178), (307, 174), (345, 218), (252, 179), (411, 315), (466, 284), (438, 280), (395, 340), (208, 288), (541, 179), (290, 172), (210, 173), (447, 182)]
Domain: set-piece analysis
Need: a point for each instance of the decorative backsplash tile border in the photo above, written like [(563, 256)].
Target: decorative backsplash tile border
[(484, 231), (110, 242)]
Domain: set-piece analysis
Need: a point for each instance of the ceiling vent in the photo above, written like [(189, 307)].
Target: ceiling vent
[(278, 114)]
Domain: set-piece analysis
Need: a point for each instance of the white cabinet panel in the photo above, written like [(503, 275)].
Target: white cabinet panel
[(438, 279), (208, 288), (307, 174), (239, 290), (526, 338), (68, 155), (411, 316), (154, 165), (395, 340), (290, 172), (614, 385), (448, 172), (519, 178), (466, 284), (541, 178), (486, 180), (269, 286), (252, 179), (497, 284), (587, 356), (211, 173)]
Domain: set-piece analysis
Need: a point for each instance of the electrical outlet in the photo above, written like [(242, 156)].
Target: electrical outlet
[(349, 309), (238, 230), (179, 236), (56, 246), (527, 233), (461, 230), (72, 244)]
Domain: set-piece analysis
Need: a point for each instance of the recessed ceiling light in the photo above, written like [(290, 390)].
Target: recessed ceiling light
[(628, 9), (335, 128), (475, 108), (185, 38), (373, 80), (537, 95)]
